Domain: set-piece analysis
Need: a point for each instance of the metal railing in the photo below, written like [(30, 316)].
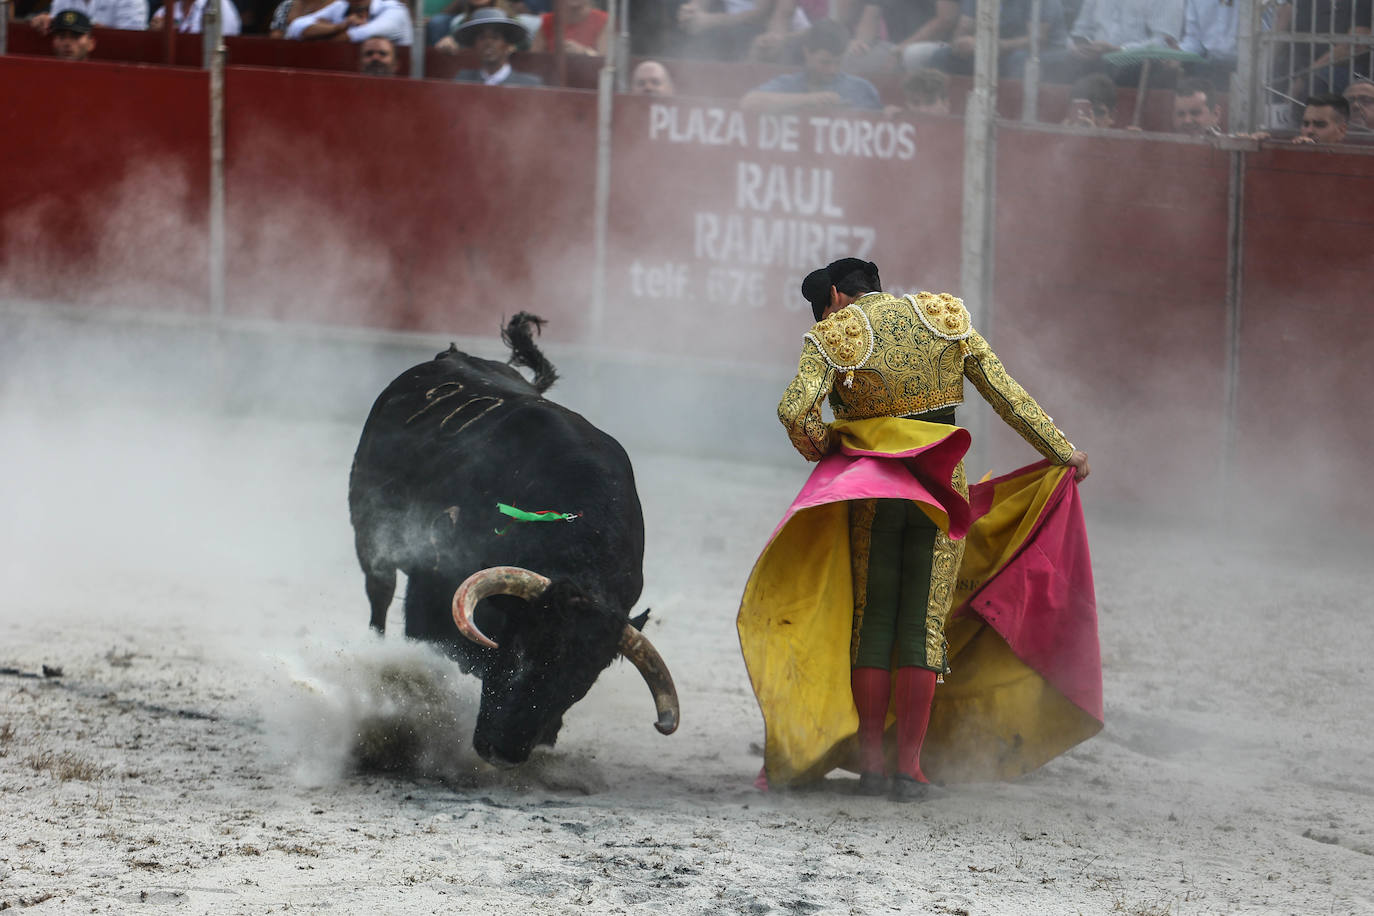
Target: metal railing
[(1293, 55)]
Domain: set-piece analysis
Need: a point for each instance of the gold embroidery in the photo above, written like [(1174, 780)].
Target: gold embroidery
[(1012, 403), (861, 514), (944, 315), (800, 408), (845, 339), (923, 346), (912, 370), (944, 573)]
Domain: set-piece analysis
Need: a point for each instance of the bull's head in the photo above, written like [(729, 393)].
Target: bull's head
[(549, 659)]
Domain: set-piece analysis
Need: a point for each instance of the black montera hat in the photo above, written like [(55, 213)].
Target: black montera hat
[(816, 290), (816, 287), (846, 266), (71, 21)]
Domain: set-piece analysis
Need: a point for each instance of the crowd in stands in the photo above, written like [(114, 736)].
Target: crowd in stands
[(836, 49)]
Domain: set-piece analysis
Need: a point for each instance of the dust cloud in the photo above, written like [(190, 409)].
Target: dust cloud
[(175, 541)]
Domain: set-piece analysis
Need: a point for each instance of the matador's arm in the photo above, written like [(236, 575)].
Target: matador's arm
[(1010, 400), (800, 408)]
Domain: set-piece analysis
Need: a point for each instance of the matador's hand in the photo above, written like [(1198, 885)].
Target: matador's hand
[(1079, 462)]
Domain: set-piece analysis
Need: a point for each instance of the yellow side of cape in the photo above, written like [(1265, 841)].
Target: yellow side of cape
[(993, 718)]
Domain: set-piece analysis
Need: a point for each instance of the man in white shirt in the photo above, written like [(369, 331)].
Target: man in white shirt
[(355, 20), (110, 14), (192, 20), (1106, 26), (1209, 30)]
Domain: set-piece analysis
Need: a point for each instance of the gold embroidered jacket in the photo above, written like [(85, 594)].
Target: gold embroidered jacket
[(898, 357)]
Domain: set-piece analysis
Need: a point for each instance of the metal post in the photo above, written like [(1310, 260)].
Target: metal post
[(605, 101), (209, 33), (554, 43), (980, 146), (1243, 95), (979, 150), (4, 26), (417, 44), (169, 29), (1030, 82), (213, 41), (1235, 267), (622, 79)]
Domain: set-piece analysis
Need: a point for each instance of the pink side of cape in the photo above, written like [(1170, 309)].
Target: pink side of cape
[(921, 474), (1042, 601)]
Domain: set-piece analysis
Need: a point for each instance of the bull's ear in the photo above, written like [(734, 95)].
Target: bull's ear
[(638, 622)]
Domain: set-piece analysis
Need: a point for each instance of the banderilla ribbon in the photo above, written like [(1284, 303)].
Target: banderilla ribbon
[(544, 515)]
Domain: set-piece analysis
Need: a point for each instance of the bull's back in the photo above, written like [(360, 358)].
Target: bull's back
[(449, 439)]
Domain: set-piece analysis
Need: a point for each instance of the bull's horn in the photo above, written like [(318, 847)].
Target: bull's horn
[(495, 580), (635, 646)]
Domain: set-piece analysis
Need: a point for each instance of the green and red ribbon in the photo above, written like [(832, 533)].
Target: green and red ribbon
[(543, 515)]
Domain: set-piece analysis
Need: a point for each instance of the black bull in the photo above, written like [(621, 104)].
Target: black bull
[(444, 444)]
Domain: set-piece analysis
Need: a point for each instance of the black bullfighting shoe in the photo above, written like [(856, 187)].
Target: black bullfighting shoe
[(909, 789), (872, 784)]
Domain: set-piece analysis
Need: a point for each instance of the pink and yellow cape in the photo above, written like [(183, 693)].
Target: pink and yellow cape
[(1026, 675)]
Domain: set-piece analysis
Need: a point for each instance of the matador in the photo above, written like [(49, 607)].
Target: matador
[(892, 370)]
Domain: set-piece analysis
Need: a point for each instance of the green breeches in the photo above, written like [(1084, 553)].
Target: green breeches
[(904, 575)]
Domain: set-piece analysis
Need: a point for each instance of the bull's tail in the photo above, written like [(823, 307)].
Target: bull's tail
[(524, 351)]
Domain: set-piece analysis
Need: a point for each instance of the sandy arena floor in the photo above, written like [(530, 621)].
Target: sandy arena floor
[(194, 584)]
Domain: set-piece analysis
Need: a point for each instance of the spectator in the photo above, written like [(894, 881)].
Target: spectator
[(1321, 69), (356, 21), (651, 78), (925, 91), (494, 37), (1092, 102), (927, 34), (870, 53), (1324, 120), (1196, 110), (1013, 37), (377, 56), (1209, 31), (189, 20), (1105, 26), (71, 35), (438, 18), (1359, 95), (781, 40), (288, 11), (460, 11), (110, 14), (820, 84), (584, 30), (727, 33)]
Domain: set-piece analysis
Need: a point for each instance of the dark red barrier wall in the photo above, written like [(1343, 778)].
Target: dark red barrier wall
[(1306, 412), (113, 45), (127, 46), (427, 205), (104, 191), (407, 204), (717, 215), (1111, 296)]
